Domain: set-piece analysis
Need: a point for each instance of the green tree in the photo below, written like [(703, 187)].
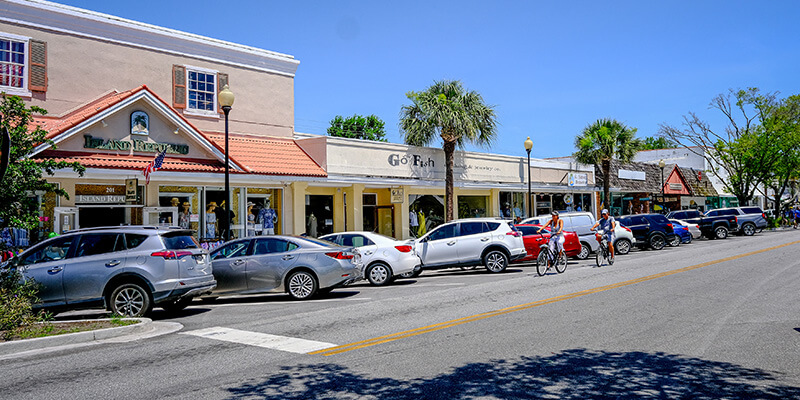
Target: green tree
[(744, 153), (603, 141), (657, 143), (446, 110), (784, 122), (358, 127), (24, 175)]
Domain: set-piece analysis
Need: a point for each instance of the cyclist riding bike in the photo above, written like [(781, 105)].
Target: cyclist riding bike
[(556, 234), (607, 224)]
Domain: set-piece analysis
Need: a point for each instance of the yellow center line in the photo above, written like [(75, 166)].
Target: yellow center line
[(477, 317)]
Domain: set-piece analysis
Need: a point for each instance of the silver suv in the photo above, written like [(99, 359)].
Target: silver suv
[(127, 270), (489, 242)]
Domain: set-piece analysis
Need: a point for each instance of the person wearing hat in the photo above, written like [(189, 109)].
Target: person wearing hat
[(607, 224), (556, 233)]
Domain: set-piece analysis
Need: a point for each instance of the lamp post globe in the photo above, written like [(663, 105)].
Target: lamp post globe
[(528, 147), (226, 99)]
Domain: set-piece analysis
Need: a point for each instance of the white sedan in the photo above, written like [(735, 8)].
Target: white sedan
[(694, 229), (384, 258)]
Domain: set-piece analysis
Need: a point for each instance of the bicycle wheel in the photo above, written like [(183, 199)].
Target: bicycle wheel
[(600, 256), (561, 263), (541, 262), (610, 258)]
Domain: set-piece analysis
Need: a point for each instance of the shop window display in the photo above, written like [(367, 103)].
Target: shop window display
[(189, 207), (319, 215), (425, 213), (263, 212), (472, 206), (512, 205)]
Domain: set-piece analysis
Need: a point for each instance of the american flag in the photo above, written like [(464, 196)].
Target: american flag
[(154, 166)]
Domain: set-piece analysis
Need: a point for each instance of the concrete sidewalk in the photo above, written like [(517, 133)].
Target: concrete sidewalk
[(146, 328)]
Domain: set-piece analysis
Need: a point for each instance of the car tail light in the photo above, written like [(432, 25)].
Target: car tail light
[(627, 229), (171, 255), (404, 248), (763, 215), (339, 255), (669, 226), (514, 233)]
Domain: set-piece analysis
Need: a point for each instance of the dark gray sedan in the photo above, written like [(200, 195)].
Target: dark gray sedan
[(296, 265)]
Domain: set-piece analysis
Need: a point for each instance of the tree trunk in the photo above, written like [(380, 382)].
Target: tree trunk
[(449, 154), (606, 165)]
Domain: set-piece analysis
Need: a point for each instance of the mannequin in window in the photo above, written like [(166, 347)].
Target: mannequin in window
[(184, 217), (267, 217), (174, 203), (422, 224), (211, 220), (311, 224), (224, 218), (251, 219), (517, 210), (413, 219)]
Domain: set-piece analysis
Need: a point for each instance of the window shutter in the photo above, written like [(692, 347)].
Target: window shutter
[(178, 86), (222, 80), (37, 70)]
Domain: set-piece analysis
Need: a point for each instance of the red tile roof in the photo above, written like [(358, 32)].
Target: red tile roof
[(269, 155), (57, 125), (172, 162)]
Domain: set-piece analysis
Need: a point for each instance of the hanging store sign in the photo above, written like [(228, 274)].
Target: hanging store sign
[(397, 195), (130, 189), (576, 179), (90, 142)]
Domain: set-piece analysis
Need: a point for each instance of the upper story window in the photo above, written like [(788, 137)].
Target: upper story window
[(195, 89), (23, 65)]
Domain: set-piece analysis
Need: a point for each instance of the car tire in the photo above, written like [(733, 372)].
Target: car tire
[(657, 242), (130, 300), (675, 241), (585, 251), (413, 274), (495, 261), (748, 229), (301, 285), (622, 246), (720, 232), (176, 305), (690, 239), (379, 274)]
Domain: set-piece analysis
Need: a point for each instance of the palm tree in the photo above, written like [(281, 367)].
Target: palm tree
[(455, 115), (602, 141)]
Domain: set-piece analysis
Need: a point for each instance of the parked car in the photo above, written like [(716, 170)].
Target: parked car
[(751, 219), (649, 230), (384, 258), (489, 242), (581, 223), (693, 229), (714, 224), (682, 234), (299, 266), (128, 270), (533, 241)]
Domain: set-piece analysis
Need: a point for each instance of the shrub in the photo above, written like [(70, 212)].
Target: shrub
[(16, 302)]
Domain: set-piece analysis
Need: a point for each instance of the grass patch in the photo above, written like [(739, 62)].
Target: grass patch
[(51, 328)]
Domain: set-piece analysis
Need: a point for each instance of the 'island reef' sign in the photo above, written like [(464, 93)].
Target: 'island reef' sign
[(137, 145)]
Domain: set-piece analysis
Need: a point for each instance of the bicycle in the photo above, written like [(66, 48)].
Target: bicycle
[(547, 259), (603, 253)]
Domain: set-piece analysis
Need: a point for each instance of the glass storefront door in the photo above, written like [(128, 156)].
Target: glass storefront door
[(319, 215), (425, 213)]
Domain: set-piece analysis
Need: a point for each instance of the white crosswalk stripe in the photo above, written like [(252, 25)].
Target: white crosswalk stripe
[(265, 340)]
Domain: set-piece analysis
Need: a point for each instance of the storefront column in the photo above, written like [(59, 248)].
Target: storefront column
[(296, 208), (355, 207), (401, 216), (494, 204)]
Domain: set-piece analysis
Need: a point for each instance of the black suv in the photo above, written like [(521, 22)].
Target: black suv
[(649, 230)]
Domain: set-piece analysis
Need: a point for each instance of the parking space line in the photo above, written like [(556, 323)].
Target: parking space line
[(520, 307), (275, 342), (267, 303)]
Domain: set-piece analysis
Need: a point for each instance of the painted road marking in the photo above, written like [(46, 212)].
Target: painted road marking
[(460, 321), (282, 343)]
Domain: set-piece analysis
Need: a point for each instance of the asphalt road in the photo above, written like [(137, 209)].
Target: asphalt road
[(713, 319)]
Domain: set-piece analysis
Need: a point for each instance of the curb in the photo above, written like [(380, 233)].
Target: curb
[(19, 346)]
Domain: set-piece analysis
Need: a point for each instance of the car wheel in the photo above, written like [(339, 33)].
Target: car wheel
[(622, 246), (495, 261), (379, 274), (130, 300), (721, 232), (657, 242), (585, 251), (689, 240), (413, 274), (675, 241), (749, 229), (177, 305), (301, 285)]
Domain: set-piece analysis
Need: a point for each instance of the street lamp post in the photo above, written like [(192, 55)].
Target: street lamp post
[(528, 147), (226, 101), (661, 165)]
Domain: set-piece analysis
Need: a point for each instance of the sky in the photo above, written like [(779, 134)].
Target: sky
[(549, 68)]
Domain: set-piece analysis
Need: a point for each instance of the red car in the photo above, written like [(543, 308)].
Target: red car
[(532, 240)]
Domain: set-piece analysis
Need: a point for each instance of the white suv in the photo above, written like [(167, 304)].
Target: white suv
[(489, 242)]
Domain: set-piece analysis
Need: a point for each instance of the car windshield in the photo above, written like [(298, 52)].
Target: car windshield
[(179, 241), (320, 242)]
